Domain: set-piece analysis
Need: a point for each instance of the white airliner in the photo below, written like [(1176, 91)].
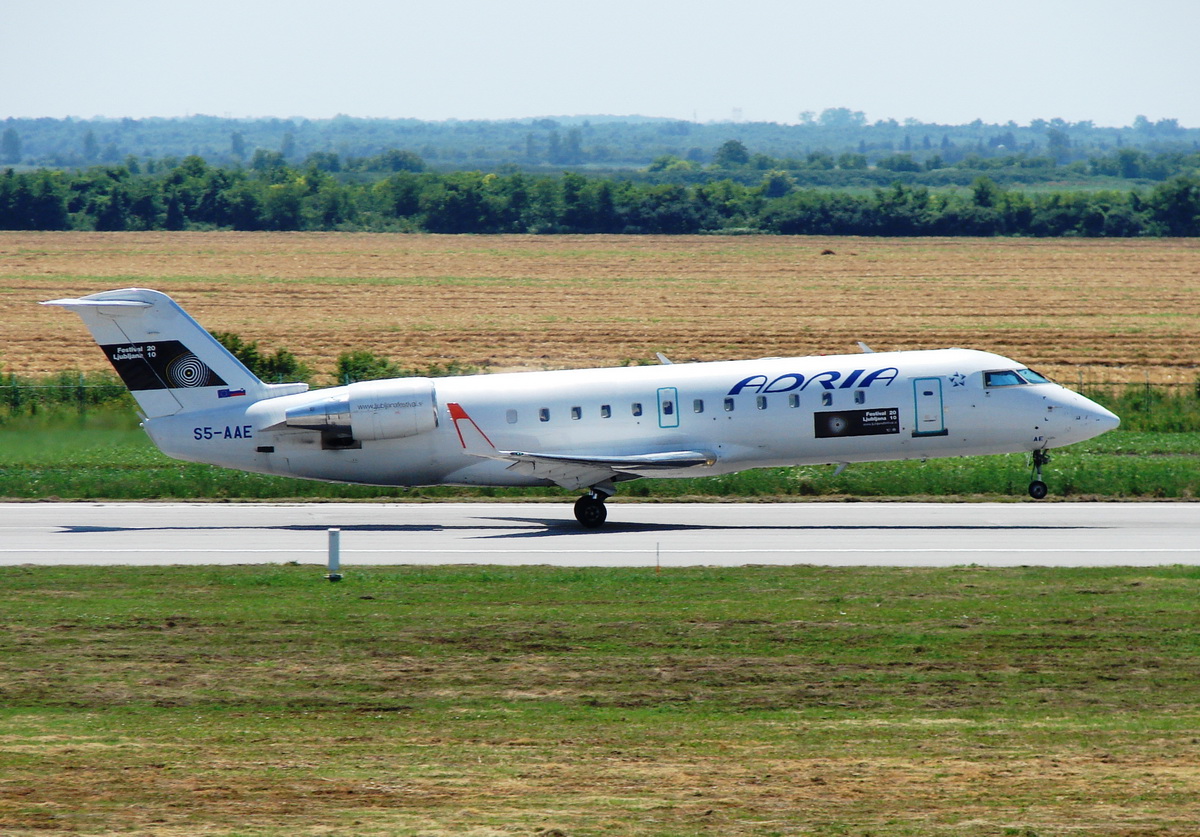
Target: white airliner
[(581, 429)]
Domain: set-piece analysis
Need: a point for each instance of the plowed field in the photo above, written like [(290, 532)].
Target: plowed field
[(1092, 309)]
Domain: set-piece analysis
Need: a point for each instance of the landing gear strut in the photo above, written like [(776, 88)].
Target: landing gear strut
[(1037, 488)]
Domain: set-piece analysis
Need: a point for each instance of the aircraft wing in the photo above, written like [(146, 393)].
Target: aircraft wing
[(571, 470)]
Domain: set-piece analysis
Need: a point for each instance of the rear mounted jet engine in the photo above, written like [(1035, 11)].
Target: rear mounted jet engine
[(369, 411)]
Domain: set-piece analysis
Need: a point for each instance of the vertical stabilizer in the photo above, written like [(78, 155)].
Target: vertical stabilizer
[(169, 362)]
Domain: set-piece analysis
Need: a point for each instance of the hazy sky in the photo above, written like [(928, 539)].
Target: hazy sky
[(757, 60)]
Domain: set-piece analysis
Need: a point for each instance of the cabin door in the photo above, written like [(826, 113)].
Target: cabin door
[(931, 416)]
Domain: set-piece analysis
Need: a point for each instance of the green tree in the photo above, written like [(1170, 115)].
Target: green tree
[(903, 210), (10, 146), (1175, 206), (112, 213), (985, 192), (362, 365), (398, 196), (145, 206), (842, 118), (899, 163), (573, 148), (268, 162), (461, 203), (1058, 145), (777, 184), (283, 206), (91, 148), (669, 162), (1130, 163), (731, 155), (396, 160), (242, 204), (174, 218), (325, 161), (277, 367)]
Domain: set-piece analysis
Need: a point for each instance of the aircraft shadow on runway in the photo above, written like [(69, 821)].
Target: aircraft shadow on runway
[(501, 528)]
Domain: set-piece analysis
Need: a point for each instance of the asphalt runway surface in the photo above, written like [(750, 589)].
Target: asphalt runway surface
[(637, 534)]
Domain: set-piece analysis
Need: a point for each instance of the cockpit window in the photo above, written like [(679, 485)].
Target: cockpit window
[(1007, 378), (1033, 377)]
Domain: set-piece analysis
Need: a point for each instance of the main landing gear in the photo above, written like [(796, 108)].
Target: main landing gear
[(590, 510), (1037, 488)]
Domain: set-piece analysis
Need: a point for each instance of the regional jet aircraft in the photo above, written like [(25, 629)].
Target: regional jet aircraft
[(581, 429)]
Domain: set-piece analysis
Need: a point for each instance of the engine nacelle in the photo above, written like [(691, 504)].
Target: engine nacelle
[(370, 411)]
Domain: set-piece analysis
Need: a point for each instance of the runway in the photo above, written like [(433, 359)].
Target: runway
[(637, 534)]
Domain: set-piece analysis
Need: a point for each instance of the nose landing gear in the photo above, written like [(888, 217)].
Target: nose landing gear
[(1037, 488)]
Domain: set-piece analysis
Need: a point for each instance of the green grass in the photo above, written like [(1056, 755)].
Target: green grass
[(104, 455), (472, 700)]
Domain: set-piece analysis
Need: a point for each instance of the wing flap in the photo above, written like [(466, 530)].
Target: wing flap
[(641, 464), (575, 471)]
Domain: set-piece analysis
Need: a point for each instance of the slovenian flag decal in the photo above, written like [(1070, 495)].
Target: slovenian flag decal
[(230, 393)]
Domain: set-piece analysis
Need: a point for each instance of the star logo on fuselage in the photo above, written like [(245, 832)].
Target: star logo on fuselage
[(958, 379)]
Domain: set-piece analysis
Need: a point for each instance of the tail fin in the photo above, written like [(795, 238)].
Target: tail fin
[(168, 361)]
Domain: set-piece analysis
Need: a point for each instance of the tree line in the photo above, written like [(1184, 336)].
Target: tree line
[(850, 169), (593, 142), (192, 194)]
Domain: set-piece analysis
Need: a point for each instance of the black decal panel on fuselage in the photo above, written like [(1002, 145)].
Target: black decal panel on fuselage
[(835, 424)]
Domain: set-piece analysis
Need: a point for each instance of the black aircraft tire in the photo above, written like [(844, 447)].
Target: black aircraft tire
[(1038, 490), (590, 512)]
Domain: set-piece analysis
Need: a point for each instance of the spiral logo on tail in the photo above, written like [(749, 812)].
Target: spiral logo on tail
[(187, 371)]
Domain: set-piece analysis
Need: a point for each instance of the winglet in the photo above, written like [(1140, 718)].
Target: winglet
[(473, 440)]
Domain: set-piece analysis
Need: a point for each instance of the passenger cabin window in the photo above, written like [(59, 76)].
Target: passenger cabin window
[(637, 409), (544, 414), (511, 416), (827, 399), (729, 405), (761, 402), (605, 411), (860, 397), (698, 405), (1007, 378), (668, 408), (576, 413), (793, 400)]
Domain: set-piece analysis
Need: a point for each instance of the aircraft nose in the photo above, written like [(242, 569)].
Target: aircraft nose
[(1107, 419), (1096, 419), (1078, 418)]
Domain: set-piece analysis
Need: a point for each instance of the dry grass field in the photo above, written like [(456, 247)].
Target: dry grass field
[(1123, 310)]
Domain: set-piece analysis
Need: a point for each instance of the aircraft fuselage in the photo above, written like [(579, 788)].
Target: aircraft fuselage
[(741, 414)]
